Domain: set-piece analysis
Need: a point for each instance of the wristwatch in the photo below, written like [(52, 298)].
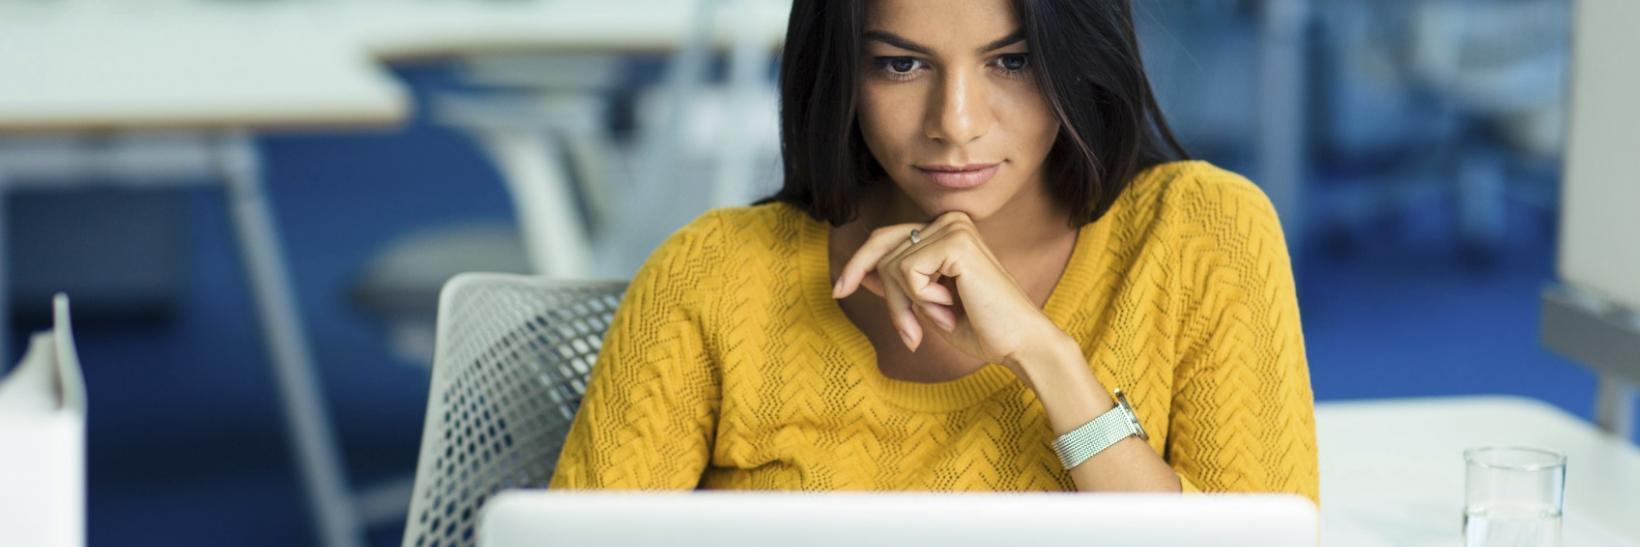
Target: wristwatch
[(1095, 436)]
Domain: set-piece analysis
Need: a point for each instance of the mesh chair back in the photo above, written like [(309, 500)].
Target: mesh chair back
[(511, 363)]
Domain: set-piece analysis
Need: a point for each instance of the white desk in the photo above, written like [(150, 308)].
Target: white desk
[(1392, 471), (93, 66), (399, 31)]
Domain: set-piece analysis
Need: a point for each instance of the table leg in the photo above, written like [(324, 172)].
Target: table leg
[(735, 180), (319, 460), (1614, 407), (1281, 109), (5, 286), (555, 235)]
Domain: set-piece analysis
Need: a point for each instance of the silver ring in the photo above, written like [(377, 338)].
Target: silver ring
[(916, 235)]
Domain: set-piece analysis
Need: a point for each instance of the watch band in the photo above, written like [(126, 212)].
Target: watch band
[(1082, 443)]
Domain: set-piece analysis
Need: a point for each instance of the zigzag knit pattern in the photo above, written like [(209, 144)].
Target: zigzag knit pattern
[(728, 364)]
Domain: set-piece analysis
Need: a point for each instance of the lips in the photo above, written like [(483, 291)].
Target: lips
[(959, 177)]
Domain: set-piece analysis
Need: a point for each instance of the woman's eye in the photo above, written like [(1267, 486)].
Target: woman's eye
[(898, 65), (1014, 63)]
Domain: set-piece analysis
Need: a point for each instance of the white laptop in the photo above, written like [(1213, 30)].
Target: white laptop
[(723, 519)]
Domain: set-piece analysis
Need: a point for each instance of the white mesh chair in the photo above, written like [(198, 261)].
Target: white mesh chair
[(512, 356)]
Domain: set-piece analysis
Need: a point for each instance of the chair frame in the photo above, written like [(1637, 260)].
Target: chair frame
[(511, 362)]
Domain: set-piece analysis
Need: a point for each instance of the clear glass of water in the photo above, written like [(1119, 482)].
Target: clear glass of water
[(1513, 497)]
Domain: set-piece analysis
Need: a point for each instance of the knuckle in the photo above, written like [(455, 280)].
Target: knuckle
[(905, 269)]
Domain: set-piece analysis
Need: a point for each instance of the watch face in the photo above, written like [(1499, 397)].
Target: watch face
[(1133, 417), (1138, 427)]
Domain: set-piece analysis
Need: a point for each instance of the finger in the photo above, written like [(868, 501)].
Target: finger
[(896, 239), (901, 307), (905, 320), (935, 293), (872, 282), (932, 292), (941, 316), (921, 267), (883, 242), (888, 241)]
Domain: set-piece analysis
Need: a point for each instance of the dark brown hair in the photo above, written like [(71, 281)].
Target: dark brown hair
[(1085, 58)]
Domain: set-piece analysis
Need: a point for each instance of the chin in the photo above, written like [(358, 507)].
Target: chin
[(977, 205)]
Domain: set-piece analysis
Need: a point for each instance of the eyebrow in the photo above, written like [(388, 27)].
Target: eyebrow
[(902, 43)]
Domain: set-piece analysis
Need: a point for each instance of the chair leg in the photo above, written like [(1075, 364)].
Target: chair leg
[(313, 443)]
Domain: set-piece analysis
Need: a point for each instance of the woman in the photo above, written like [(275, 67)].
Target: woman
[(995, 175)]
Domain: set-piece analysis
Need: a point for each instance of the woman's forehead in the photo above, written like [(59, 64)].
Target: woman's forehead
[(944, 26)]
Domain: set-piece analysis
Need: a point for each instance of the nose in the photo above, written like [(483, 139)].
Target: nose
[(959, 112)]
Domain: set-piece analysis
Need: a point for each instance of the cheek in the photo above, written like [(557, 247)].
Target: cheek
[(1033, 123), (889, 121)]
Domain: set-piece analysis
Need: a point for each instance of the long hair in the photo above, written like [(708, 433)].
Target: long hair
[(1085, 57)]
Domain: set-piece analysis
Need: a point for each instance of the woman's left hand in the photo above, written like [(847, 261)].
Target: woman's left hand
[(951, 280)]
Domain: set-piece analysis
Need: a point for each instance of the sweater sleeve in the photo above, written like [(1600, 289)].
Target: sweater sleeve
[(651, 403), (1243, 414)]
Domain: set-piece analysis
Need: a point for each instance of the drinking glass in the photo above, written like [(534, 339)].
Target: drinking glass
[(1513, 497)]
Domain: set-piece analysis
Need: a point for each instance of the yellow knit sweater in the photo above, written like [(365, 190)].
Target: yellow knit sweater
[(729, 365)]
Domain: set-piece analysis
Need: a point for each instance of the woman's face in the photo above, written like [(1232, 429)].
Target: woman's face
[(949, 107)]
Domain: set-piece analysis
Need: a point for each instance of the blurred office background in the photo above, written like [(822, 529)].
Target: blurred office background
[(1413, 148)]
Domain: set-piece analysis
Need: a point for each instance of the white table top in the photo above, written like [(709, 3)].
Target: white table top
[(93, 66), (77, 66), (1392, 471), (393, 31)]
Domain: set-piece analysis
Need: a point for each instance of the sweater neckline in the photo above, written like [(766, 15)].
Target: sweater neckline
[(963, 392)]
